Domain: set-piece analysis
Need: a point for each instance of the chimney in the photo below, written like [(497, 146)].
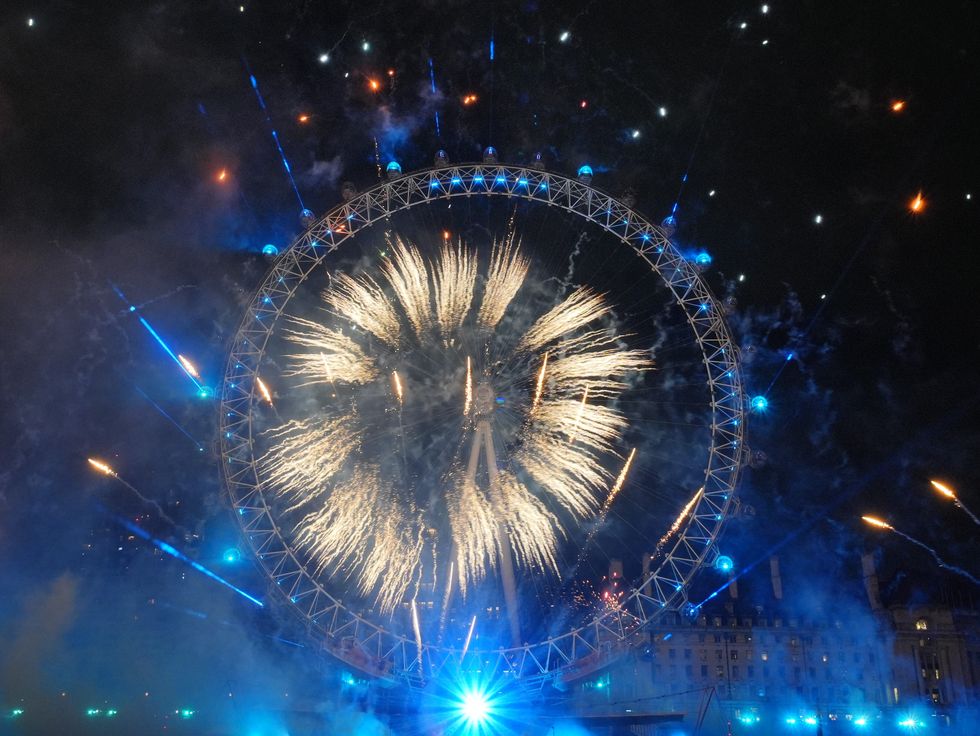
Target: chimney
[(733, 585), (615, 569), (777, 581), (871, 580)]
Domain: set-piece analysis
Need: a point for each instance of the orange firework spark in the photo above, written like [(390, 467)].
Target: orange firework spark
[(943, 489), (897, 105), (304, 118), (264, 390), (875, 521), (374, 84), (470, 99), (222, 175), (917, 204), (101, 466), (398, 386)]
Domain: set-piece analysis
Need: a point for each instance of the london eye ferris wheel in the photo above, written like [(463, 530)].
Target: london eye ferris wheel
[(485, 417)]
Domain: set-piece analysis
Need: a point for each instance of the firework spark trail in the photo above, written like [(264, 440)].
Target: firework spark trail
[(597, 426), (332, 355), (604, 510), (468, 393), (447, 594), (617, 486), (876, 522), (188, 366), (453, 279), (571, 474), (581, 307), (407, 274), (532, 528), (936, 557), (950, 494), (688, 507), (474, 530), (418, 630), (264, 390), (539, 386), (397, 382), (602, 371), (364, 303), (355, 530), (508, 269), (325, 445), (105, 469), (469, 637), (578, 415)]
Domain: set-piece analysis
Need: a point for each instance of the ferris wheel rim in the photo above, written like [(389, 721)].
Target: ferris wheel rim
[(662, 589)]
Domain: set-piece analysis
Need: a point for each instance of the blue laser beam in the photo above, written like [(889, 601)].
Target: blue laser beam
[(275, 136), (169, 418), (160, 340), (432, 84), (176, 553)]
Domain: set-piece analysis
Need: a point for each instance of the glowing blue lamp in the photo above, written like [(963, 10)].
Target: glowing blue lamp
[(231, 555), (394, 167), (584, 170), (759, 403), (703, 258), (724, 563), (474, 707), (270, 250)]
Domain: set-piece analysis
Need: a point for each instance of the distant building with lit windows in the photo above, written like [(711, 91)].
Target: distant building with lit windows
[(748, 663)]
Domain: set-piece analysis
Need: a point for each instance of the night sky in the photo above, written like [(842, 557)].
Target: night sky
[(856, 316)]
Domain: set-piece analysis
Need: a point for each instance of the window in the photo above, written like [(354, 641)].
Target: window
[(704, 670), (921, 625), (825, 658), (689, 671), (671, 653), (717, 638), (765, 656), (718, 654), (735, 671), (750, 671), (687, 654), (734, 654), (719, 671)]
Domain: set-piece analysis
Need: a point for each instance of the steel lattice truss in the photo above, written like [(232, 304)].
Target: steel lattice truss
[(382, 652)]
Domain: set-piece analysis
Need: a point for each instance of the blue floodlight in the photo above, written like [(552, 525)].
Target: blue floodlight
[(474, 707), (231, 555), (810, 721), (394, 167), (585, 170), (703, 258), (861, 721), (724, 564), (270, 250), (759, 403)]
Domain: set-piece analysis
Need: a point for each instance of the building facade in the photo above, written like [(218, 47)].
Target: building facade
[(750, 662)]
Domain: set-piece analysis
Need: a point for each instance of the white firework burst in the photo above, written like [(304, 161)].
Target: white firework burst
[(355, 516)]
